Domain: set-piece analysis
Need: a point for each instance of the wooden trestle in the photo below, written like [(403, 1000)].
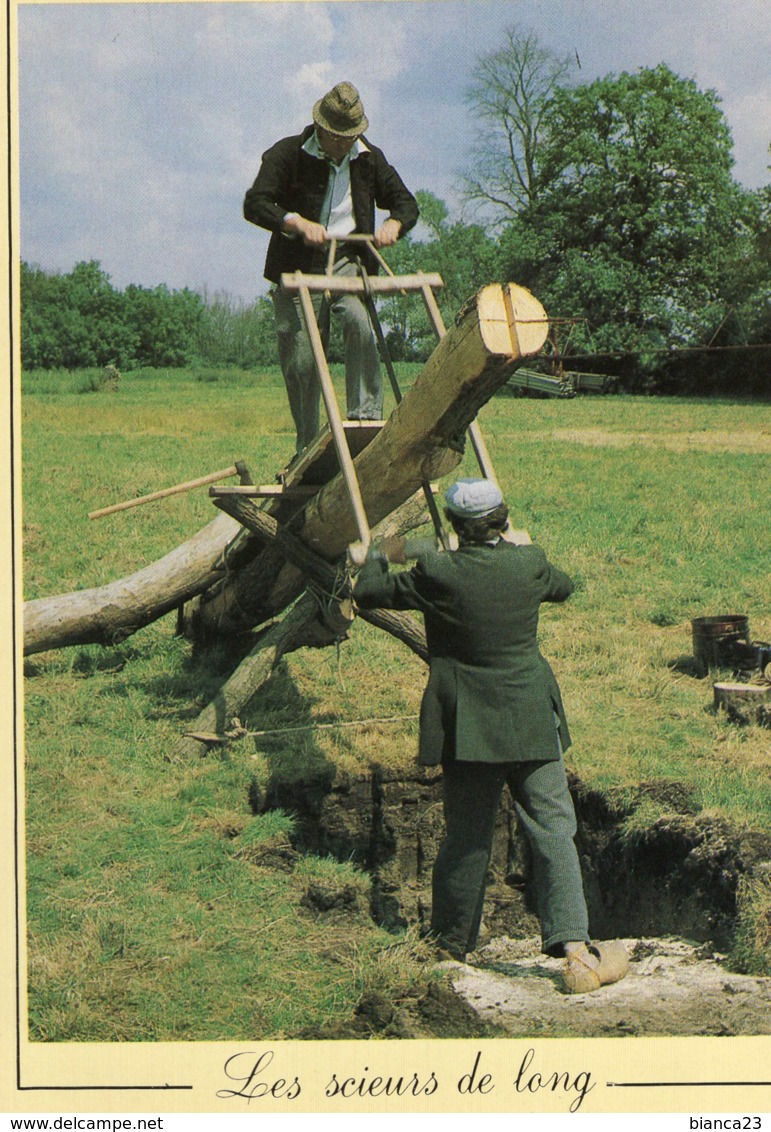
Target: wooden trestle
[(339, 442)]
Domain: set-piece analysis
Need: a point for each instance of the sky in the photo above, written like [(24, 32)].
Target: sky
[(142, 125)]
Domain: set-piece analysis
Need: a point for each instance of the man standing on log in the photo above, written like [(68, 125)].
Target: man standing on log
[(320, 184), (492, 715)]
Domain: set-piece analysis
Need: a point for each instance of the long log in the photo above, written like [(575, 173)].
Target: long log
[(422, 440), (108, 614)]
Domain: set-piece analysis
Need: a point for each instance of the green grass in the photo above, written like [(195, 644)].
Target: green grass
[(152, 911)]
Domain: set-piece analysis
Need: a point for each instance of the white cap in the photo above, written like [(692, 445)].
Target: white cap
[(473, 499)]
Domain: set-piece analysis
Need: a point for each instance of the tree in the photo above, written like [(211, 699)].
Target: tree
[(81, 320), (738, 320), (165, 322), (509, 98), (232, 332), (749, 280), (73, 320), (637, 212)]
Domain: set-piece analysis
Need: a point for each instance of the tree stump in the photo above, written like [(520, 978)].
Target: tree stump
[(744, 703)]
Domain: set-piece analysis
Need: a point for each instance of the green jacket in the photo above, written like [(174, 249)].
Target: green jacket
[(491, 696)]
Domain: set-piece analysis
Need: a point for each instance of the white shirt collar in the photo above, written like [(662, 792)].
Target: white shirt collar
[(312, 147)]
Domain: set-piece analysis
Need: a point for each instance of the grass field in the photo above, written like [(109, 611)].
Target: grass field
[(151, 914)]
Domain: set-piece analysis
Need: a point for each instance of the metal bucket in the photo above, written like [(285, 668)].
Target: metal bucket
[(714, 639)]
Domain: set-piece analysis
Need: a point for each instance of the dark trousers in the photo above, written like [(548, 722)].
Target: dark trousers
[(363, 379), (472, 793)]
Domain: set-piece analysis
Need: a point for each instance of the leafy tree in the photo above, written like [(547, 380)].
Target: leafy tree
[(39, 338), (232, 332), (748, 278), (738, 319), (81, 320), (165, 323), (73, 320), (638, 212), (509, 97)]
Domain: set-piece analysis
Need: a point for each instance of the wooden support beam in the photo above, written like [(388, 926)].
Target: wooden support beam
[(265, 491), (354, 285)]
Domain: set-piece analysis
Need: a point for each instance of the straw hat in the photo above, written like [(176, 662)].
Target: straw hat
[(340, 112)]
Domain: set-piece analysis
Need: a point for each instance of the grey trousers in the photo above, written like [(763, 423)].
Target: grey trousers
[(472, 792), (363, 379)]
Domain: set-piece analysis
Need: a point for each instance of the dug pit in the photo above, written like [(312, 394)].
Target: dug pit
[(669, 888)]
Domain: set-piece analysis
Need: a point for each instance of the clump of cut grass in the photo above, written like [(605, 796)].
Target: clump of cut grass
[(403, 970), (751, 953), (264, 834), (641, 819), (330, 885), (330, 868)]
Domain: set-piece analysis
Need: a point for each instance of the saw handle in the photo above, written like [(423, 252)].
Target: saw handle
[(355, 238)]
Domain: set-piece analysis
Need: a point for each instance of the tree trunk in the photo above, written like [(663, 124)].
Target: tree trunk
[(323, 574), (109, 614)]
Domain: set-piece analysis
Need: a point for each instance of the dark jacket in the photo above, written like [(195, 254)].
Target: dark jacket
[(491, 696), (291, 180)]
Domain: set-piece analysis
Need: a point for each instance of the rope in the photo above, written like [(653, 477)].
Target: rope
[(339, 653), (342, 588), (237, 731), (341, 591), (332, 726)]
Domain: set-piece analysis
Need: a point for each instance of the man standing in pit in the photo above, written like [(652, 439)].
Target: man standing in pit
[(327, 183), (492, 715)]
